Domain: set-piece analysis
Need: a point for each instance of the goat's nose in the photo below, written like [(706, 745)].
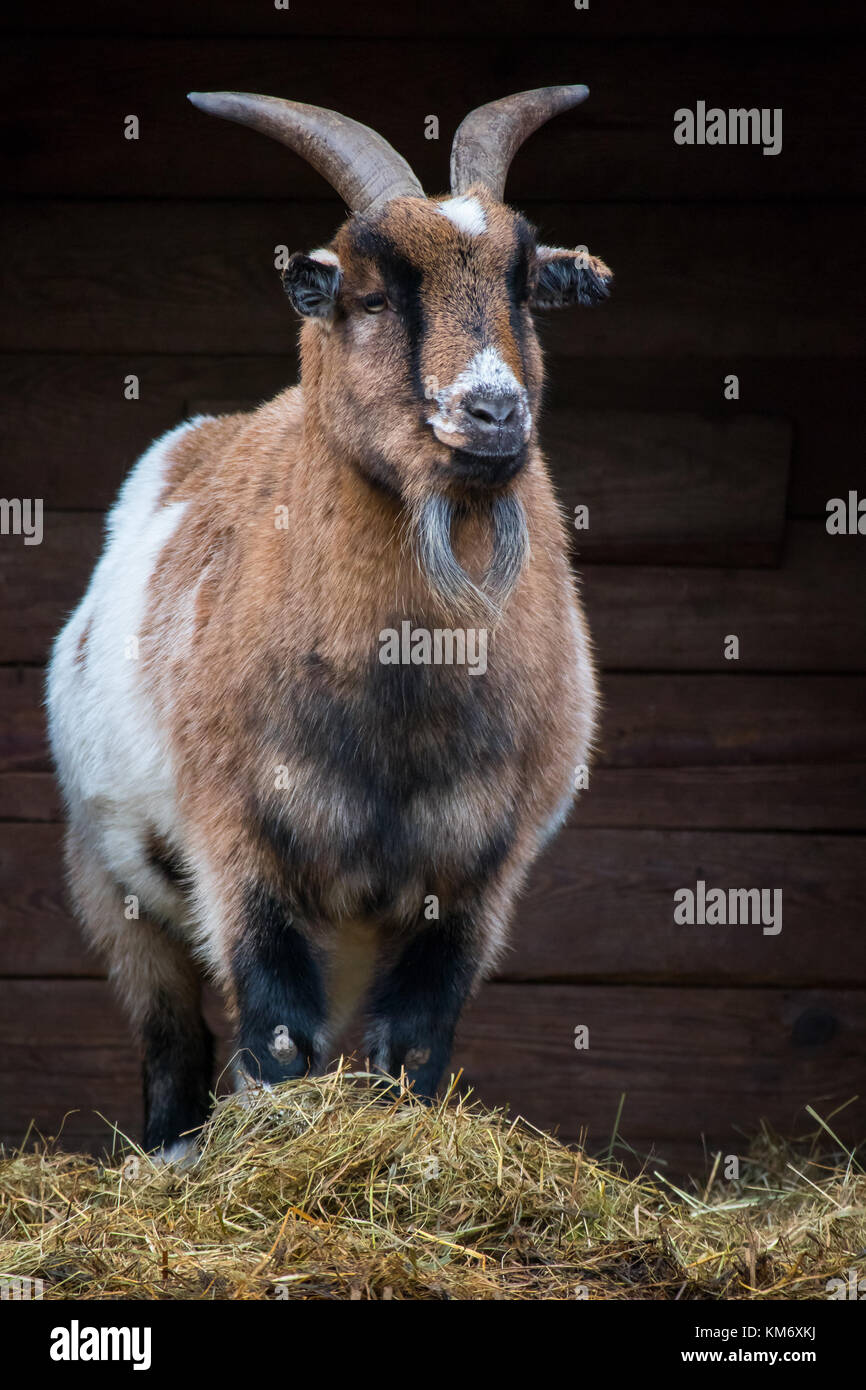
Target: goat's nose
[(490, 410)]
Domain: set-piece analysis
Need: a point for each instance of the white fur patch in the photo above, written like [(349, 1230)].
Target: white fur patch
[(325, 256), (183, 1153), (485, 375), (112, 754), (466, 213)]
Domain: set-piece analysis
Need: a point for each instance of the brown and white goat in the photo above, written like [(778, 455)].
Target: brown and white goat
[(280, 769)]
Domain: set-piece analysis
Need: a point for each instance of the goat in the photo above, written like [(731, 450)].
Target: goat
[(270, 780)]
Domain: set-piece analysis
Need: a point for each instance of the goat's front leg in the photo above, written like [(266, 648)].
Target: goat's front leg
[(423, 982), (279, 992)]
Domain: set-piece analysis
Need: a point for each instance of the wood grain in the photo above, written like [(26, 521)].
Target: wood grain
[(619, 145), (458, 19), (698, 1068), (672, 489)]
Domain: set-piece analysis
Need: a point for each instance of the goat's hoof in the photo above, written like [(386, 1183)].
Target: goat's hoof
[(182, 1154)]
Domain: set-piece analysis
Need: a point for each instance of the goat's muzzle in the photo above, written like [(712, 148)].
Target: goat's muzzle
[(487, 433)]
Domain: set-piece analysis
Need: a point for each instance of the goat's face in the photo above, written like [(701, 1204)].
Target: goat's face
[(420, 361), (427, 360)]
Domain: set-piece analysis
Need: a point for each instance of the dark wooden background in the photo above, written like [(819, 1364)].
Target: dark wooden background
[(707, 516)]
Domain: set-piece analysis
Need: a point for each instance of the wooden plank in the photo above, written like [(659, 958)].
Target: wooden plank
[(820, 798), (801, 617), (54, 405), (38, 935), (29, 796), (798, 618), (822, 398), (149, 277), (756, 1054), (620, 146), (698, 1067), (458, 19), (672, 489), (23, 743), (600, 906), (681, 720), (41, 584), (66, 1054), (669, 721)]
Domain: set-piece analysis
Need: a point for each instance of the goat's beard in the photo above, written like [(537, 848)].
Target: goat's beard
[(449, 582)]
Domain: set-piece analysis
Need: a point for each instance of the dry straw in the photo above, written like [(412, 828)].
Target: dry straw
[(325, 1189)]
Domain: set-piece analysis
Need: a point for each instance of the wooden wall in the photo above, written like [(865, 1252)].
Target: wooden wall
[(706, 516)]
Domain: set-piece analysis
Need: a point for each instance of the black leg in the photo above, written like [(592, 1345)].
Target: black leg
[(178, 1070), (280, 993), (415, 1005)]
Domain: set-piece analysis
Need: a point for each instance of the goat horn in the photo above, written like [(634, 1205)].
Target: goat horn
[(358, 163), (490, 136)]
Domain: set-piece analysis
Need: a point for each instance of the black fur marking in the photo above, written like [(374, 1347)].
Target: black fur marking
[(486, 470), (311, 285), (402, 282), (564, 280), (279, 986), (415, 1006), (517, 281), (163, 856), (177, 1072)]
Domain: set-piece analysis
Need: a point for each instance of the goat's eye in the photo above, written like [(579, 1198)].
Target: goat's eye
[(375, 303)]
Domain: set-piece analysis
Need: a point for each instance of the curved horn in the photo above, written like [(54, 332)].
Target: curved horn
[(490, 136), (358, 163)]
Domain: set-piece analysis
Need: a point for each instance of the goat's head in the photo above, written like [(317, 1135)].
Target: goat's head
[(419, 352)]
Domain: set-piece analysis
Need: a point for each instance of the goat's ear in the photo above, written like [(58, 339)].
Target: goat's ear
[(568, 277), (313, 283)]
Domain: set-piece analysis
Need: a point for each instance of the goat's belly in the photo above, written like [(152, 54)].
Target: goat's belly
[(389, 855)]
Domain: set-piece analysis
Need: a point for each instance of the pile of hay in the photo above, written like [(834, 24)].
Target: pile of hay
[(322, 1189)]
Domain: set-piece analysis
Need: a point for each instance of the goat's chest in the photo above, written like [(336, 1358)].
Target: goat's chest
[(404, 784)]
